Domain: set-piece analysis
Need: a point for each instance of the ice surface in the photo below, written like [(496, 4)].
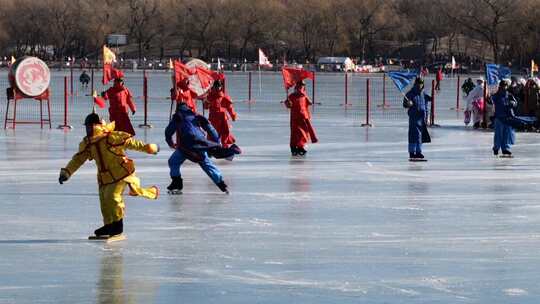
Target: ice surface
[(352, 222)]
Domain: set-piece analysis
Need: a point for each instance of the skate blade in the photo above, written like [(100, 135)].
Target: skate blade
[(174, 192), (506, 156), (108, 239), (417, 160)]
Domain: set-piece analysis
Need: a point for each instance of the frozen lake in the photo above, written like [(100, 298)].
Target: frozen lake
[(352, 222)]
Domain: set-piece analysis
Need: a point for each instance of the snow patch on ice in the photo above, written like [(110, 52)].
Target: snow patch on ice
[(515, 292)]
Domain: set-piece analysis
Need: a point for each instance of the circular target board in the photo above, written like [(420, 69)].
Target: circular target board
[(31, 75)]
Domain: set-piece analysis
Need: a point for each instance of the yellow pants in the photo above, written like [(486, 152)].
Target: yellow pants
[(112, 201)]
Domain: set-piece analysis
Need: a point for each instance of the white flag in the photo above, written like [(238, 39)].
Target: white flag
[(263, 60), (454, 66)]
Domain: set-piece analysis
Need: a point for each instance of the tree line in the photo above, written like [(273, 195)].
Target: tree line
[(504, 31)]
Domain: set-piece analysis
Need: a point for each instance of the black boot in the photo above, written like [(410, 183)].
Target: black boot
[(506, 152), (495, 152), (419, 155), (412, 155), (105, 230), (223, 187), (236, 149), (302, 151), (294, 151), (176, 184), (116, 227)]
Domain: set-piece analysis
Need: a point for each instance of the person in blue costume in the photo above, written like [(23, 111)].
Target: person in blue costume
[(504, 104), (417, 103), (192, 143)]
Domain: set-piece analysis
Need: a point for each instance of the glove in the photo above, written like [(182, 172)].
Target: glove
[(64, 176), (103, 94), (132, 112), (234, 117), (152, 149)]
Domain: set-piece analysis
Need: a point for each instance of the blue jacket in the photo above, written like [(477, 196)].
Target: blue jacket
[(420, 102), (191, 131), (504, 103)]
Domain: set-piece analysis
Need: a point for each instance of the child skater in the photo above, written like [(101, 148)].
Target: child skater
[(219, 104), (115, 171), (301, 128), (191, 143)]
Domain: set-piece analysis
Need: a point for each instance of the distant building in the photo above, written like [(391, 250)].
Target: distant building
[(335, 64)]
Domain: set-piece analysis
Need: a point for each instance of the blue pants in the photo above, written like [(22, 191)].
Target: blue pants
[(415, 133), (415, 148), (503, 136), (177, 159)]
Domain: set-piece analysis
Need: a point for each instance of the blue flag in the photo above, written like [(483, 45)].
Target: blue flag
[(495, 73), (402, 79)]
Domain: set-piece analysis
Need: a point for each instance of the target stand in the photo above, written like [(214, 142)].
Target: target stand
[(14, 96), (29, 78)]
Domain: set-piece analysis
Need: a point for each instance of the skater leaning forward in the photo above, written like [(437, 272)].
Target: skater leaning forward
[(192, 143), (417, 103), (115, 171), (301, 128), (504, 103)]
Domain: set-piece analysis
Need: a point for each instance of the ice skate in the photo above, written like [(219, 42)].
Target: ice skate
[(294, 151), (506, 154), (110, 232), (223, 187), (176, 186), (302, 151), (416, 157), (103, 231)]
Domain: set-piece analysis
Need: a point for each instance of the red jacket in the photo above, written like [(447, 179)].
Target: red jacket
[(439, 76), (120, 99), (301, 128)]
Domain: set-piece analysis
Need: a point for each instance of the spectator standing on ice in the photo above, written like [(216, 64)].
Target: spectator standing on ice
[(115, 171), (120, 102), (219, 105), (467, 86), (417, 101), (504, 103), (84, 79), (438, 79), (301, 129), (475, 104)]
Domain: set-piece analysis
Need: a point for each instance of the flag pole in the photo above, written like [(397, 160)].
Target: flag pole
[(260, 81)]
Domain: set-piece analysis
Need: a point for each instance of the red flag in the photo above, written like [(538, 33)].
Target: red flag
[(98, 100), (207, 77), (293, 75), (181, 71)]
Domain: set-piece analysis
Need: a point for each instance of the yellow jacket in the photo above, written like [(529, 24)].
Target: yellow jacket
[(107, 147)]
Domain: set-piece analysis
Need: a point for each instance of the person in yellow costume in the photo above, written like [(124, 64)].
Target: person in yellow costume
[(115, 171)]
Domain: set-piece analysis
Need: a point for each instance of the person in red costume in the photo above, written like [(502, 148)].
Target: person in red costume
[(301, 128), (120, 102), (438, 79), (185, 94), (218, 104)]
